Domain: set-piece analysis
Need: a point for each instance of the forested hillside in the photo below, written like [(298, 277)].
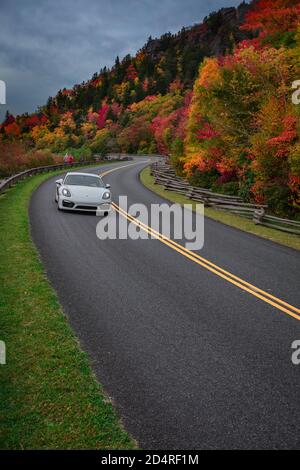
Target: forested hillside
[(216, 97)]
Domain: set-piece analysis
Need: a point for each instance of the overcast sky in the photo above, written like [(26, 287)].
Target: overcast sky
[(46, 45)]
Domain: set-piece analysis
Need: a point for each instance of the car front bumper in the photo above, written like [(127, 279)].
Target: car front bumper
[(100, 208)]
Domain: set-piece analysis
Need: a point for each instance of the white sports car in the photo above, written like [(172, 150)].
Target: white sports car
[(83, 192)]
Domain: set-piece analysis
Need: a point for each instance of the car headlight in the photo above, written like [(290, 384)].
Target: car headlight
[(66, 192), (106, 195)]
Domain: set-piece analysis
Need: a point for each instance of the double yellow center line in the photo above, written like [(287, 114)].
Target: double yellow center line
[(215, 269)]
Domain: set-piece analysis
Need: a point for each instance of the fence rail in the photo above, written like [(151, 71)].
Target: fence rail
[(165, 175)]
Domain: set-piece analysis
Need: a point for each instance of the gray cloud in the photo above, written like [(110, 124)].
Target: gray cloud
[(50, 44)]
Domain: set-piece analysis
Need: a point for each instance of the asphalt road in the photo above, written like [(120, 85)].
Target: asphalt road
[(190, 360)]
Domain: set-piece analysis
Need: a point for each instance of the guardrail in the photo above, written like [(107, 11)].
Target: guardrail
[(42, 169), (165, 175), (6, 183)]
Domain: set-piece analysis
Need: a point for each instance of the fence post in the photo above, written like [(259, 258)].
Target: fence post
[(259, 215)]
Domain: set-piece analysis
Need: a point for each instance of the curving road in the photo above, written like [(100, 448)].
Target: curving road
[(190, 360)]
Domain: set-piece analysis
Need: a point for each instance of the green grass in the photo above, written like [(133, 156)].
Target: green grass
[(290, 240), (50, 398)]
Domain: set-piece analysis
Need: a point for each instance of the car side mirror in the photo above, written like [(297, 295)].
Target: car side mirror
[(59, 182), (107, 186)]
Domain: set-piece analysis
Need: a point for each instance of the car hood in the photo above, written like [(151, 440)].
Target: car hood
[(85, 191)]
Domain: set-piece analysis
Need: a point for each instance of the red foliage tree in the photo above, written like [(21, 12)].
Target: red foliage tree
[(282, 142), (272, 16), (102, 116), (12, 130), (32, 121), (207, 132)]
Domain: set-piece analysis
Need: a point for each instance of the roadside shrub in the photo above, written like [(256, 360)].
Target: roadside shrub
[(81, 153), (203, 180), (231, 188), (278, 198), (14, 158)]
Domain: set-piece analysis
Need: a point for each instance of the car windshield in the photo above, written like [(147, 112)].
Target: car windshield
[(84, 180)]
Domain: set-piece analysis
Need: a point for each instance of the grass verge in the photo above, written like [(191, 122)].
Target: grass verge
[(50, 398), (290, 240)]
